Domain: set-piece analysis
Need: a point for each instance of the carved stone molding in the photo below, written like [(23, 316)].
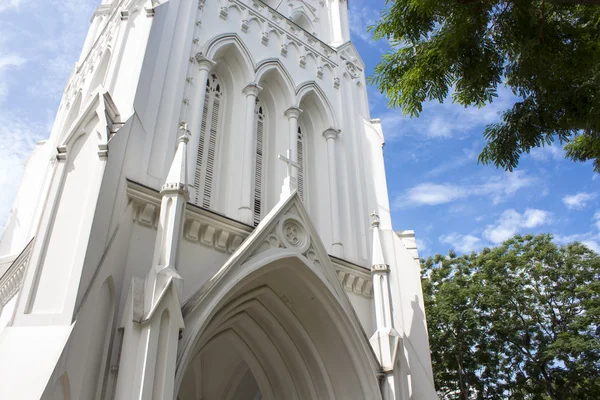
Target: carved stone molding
[(201, 226), (11, 281), (354, 279), (207, 228)]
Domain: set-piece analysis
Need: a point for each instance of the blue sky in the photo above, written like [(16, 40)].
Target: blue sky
[(436, 186)]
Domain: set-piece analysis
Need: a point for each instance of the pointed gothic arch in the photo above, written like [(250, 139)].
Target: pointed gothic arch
[(312, 87), (249, 315), (268, 67), (300, 18), (222, 43), (276, 96)]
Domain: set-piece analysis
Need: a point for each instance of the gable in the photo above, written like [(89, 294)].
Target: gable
[(288, 231)]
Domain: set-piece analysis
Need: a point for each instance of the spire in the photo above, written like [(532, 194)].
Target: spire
[(177, 177), (378, 261)]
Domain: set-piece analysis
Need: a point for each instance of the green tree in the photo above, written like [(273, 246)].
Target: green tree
[(518, 321), (546, 51)]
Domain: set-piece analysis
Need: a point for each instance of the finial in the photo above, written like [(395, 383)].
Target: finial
[(376, 220), (183, 127)]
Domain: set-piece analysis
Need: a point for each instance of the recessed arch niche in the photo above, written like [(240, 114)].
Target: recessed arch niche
[(278, 333)]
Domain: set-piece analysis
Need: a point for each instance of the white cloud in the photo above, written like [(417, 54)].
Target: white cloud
[(446, 120), (578, 201), (6, 62), (433, 194), (10, 60), (6, 5), (553, 152), (498, 189), (461, 243), (590, 239), (511, 223)]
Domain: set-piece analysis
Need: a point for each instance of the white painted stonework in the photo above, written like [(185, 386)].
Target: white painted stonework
[(198, 224)]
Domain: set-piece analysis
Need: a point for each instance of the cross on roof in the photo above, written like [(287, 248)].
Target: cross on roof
[(290, 164), (183, 127)]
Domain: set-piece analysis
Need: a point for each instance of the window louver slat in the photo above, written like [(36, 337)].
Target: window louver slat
[(258, 170), (300, 165), (199, 160), (210, 157)]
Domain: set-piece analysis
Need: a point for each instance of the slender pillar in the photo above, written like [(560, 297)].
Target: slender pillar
[(195, 120), (339, 22), (386, 342), (245, 211), (292, 114), (381, 285), (337, 248)]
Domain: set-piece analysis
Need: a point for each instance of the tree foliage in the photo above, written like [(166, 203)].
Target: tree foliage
[(546, 51), (519, 321)]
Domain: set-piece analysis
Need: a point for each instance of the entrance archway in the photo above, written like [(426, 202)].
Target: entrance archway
[(274, 328)]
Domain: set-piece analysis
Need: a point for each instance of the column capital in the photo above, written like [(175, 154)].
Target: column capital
[(331, 133), (293, 112), (204, 63), (252, 89)]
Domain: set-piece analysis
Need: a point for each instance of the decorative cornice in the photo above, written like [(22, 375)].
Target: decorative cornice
[(201, 226), (354, 278), (283, 25), (11, 281), (213, 230)]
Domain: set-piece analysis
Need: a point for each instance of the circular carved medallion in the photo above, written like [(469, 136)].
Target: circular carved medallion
[(293, 234)]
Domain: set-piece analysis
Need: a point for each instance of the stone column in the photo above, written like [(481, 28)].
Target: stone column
[(337, 248), (196, 114), (292, 114), (245, 211)]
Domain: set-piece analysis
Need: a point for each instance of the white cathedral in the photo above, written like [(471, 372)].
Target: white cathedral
[(209, 219)]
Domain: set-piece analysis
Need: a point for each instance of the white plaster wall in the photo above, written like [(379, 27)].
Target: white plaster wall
[(6, 313), (22, 221)]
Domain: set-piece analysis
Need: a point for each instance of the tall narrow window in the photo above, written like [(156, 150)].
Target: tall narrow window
[(300, 164), (205, 164), (258, 165)]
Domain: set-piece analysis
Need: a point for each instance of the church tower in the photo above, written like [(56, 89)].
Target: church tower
[(209, 218)]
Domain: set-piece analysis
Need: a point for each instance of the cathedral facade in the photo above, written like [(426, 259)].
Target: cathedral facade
[(209, 219)]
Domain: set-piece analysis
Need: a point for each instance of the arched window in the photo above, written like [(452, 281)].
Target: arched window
[(205, 164), (300, 163), (300, 19), (258, 164)]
